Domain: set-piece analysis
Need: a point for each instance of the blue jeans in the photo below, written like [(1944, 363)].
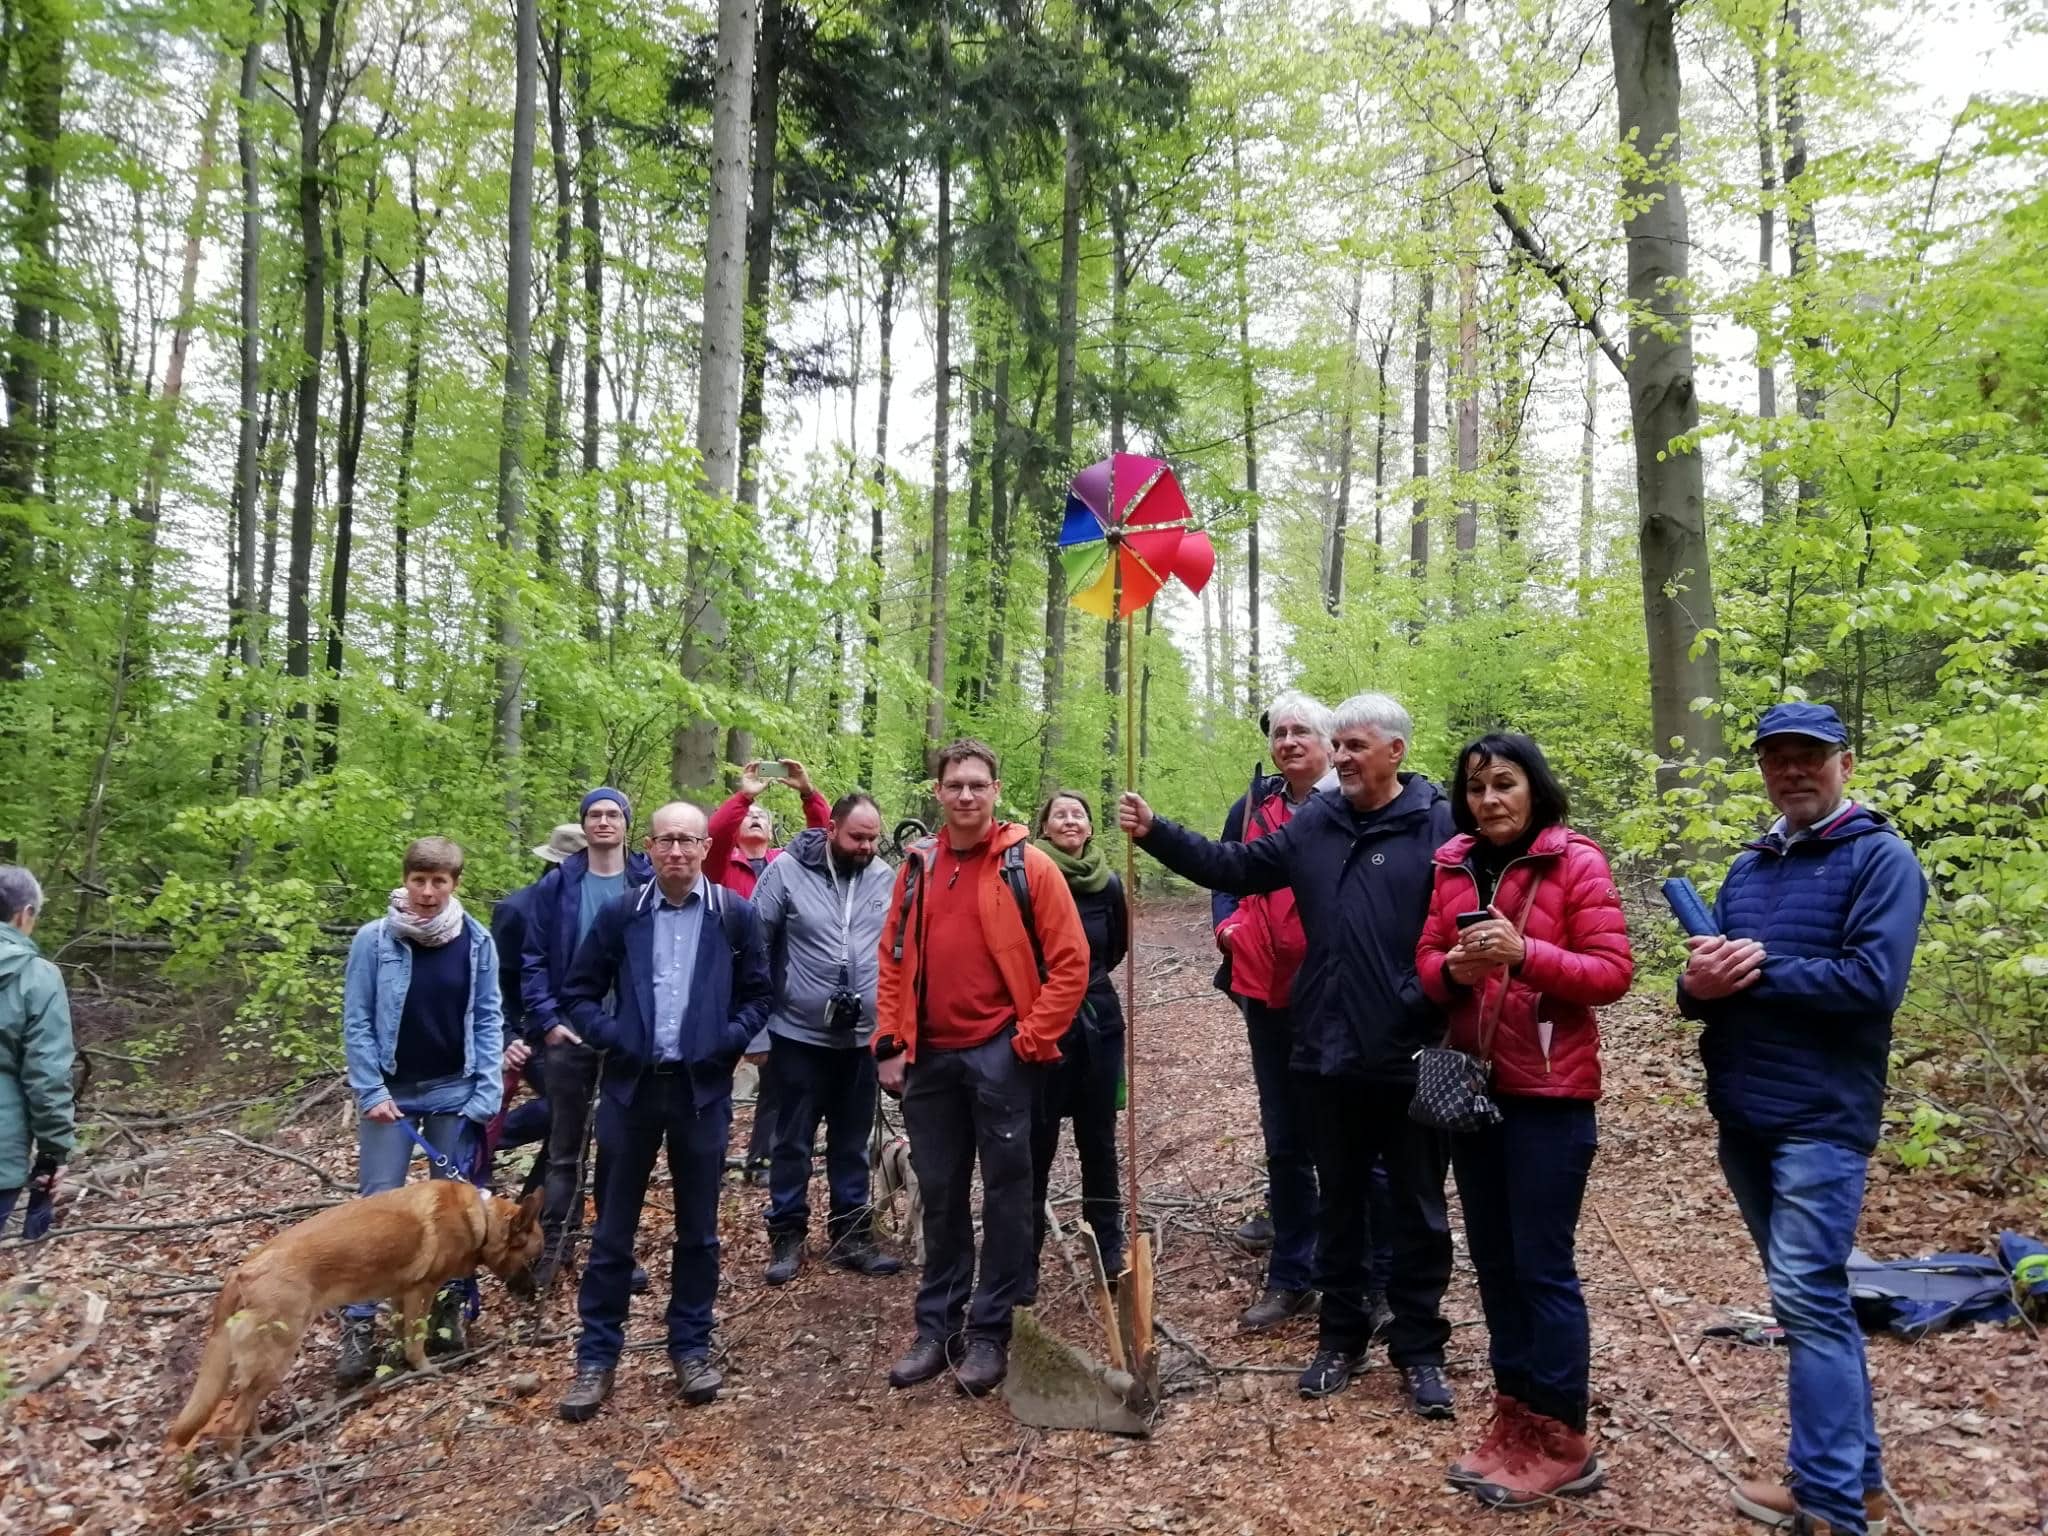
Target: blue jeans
[(1800, 1200), (835, 1084), (384, 1152), (1521, 1183)]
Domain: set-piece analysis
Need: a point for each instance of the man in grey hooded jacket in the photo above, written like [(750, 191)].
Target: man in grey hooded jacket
[(822, 908)]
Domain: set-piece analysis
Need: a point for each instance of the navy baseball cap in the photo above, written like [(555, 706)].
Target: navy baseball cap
[(1818, 721)]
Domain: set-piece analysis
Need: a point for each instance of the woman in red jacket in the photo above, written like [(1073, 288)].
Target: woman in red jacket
[(1541, 945)]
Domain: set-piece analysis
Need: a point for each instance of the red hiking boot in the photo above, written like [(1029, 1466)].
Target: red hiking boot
[(1550, 1460), (1491, 1454)]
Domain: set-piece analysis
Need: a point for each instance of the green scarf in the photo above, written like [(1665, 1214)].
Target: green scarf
[(1087, 871)]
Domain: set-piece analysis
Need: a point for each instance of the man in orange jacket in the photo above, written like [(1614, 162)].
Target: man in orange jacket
[(964, 1041)]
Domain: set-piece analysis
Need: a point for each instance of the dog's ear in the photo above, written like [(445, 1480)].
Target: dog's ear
[(529, 1212)]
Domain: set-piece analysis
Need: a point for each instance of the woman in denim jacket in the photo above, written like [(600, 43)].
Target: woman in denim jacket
[(424, 1032)]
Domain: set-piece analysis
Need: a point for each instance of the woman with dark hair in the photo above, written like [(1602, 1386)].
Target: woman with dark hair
[(1525, 939), (1082, 1086)]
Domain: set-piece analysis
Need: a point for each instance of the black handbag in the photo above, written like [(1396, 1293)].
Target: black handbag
[(1451, 1085)]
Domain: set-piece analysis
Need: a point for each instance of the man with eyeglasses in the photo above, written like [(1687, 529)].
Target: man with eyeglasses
[(559, 914), (1817, 922), (973, 997), (822, 910), (685, 962)]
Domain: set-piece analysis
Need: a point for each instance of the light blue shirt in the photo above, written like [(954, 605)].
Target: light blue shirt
[(676, 929)]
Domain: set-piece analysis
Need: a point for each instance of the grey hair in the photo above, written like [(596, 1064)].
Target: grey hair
[(19, 892), (1375, 711), (1307, 710)]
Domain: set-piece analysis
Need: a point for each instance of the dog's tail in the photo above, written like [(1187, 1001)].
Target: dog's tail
[(216, 1367)]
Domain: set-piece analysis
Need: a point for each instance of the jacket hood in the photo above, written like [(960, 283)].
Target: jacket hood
[(1551, 840), (17, 952), (1853, 820), (808, 847)]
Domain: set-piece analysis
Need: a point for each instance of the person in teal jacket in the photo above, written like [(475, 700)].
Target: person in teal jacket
[(36, 1128)]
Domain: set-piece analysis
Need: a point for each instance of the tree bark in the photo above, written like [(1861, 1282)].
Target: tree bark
[(1588, 442), (554, 434), (1248, 401), (1766, 231), (593, 333), (694, 758), (1119, 362), (352, 369), (1065, 381), (509, 631), (408, 434), (242, 618), (1802, 250), (1001, 521), (1678, 593), (310, 61), (1333, 563)]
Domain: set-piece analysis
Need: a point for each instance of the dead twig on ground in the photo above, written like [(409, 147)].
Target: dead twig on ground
[(275, 1213), (304, 1162), (88, 1335), (1899, 1507)]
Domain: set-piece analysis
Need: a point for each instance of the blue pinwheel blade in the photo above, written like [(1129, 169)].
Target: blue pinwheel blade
[(1081, 525)]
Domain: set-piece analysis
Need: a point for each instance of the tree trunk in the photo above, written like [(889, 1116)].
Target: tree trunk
[(310, 63), (1468, 408), (1112, 640), (1248, 400), (1678, 593), (1802, 249), (408, 433), (694, 758), (942, 389), (1418, 532), (509, 631), (353, 372), (885, 378), (554, 434), (1588, 442), (1333, 564), (1053, 500), (593, 332), (1001, 521), (242, 620), (1766, 221)]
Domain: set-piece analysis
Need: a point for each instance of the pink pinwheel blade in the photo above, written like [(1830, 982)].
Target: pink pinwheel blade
[(1194, 561)]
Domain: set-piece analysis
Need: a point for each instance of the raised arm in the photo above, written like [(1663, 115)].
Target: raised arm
[(1240, 868)]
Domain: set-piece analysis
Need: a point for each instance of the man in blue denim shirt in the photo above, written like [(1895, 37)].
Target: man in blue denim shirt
[(684, 962), (423, 1031), (1817, 922)]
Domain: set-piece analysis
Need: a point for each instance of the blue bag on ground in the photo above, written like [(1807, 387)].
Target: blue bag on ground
[(1915, 1297)]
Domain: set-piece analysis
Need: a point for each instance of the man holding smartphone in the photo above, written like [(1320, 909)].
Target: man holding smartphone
[(1817, 922)]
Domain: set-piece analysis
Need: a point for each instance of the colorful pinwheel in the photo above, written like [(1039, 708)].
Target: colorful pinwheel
[(1127, 530)]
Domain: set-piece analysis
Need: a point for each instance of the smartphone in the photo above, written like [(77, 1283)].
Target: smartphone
[(770, 769), (1467, 919)]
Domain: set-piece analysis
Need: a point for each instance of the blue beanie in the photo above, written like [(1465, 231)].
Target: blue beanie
[(605, 792)]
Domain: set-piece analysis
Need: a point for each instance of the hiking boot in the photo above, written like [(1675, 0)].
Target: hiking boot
[(552, 1265), (1549, 1460), (358, 1361), (639, 1283), (1772, 1504), (1429, 1392), (447, 1328), (1503, 1432), (983, 1368), (921, 1362), (1330, 1371), (697, 1379), (786, 1258), (857, 1252), (586, 1394), (1378, 1315), (1273, 1308), (1255, 1233)]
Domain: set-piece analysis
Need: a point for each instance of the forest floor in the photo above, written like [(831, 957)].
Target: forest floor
[(808, 1436)]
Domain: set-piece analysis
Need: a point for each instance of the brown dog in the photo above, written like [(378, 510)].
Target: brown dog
[(401, 1245)]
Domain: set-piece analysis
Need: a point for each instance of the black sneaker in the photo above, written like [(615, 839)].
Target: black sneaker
[(586, 1394), (1275, 1307), (920, 1363), (1429, 1391), (697, 1379), (1256, 1233), (786, 1259), (858, 1253), (983, 1368), (1330, 1371), (358, 1362)]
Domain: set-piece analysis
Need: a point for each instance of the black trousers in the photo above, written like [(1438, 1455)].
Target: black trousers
[(1081, 1086), (664, 1111), (1357, 1121), (570, 1075), (767, 1104), (835, 1084), (960, 1106)]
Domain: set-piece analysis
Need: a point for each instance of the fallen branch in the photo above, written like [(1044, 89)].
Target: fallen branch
[(1665, 1323), (1899, 1505), (291, 1157), (313, 1100), (1186, 1346), (276, 1213), (95, 1314)]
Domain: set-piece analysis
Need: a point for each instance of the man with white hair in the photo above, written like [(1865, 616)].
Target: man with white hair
[(36, 1127), (1358, 861)]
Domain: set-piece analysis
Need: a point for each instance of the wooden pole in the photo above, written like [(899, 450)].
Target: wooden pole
[(1130, 927)]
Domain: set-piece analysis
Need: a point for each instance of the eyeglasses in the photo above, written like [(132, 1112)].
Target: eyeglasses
[(677, 841), (957, 787)]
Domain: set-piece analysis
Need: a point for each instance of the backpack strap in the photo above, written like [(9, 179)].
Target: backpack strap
[(1019, 882), (913, 880)]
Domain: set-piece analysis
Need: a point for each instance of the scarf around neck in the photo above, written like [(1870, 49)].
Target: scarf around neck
[(1087, 871), (430, 932)]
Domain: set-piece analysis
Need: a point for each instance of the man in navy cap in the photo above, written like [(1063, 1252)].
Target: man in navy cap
[(1817, 921), (564, 905)]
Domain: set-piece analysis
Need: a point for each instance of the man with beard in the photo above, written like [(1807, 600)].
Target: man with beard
[(821, 910)]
